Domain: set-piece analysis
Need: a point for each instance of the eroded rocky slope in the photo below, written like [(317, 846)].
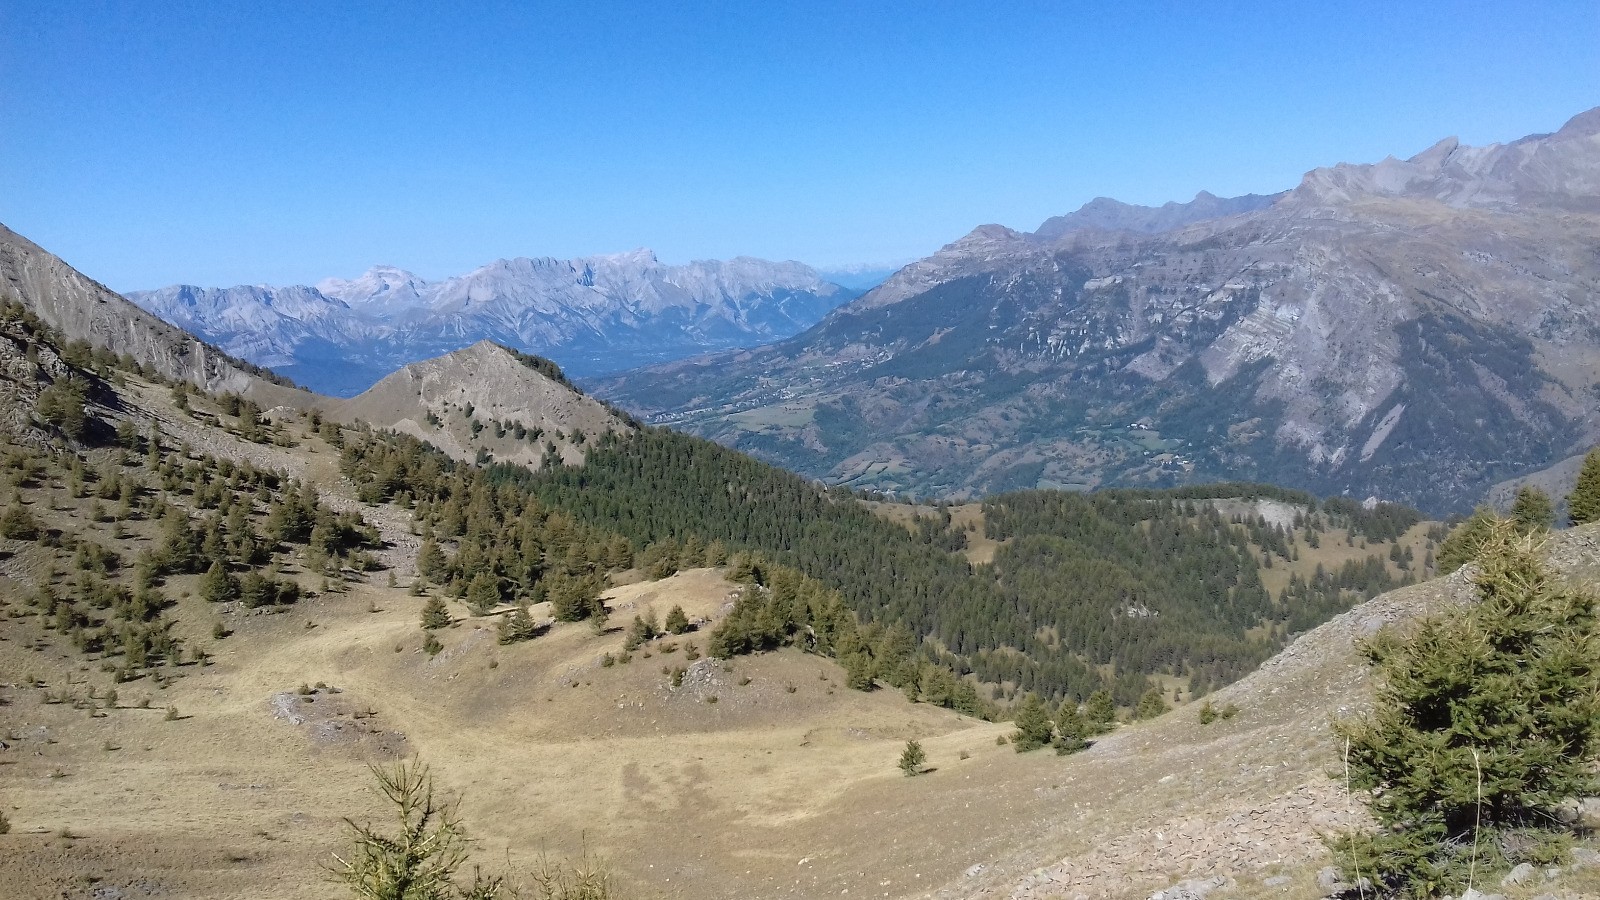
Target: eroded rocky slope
[(1415, 329)]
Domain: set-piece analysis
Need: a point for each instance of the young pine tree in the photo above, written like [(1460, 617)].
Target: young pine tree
[(1033, 725), (677, 622), (1485, 722), (1583, 504), (1100, 713), (1466, 540), (483, 593), (1070, 729), (435, 614), (517, 626), (1532, 511), (912, 759), (218, 584), (430, 559), (1152, 704)]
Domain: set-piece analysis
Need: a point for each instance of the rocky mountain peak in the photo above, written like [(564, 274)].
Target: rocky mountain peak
[(1582, 125), (382, 286), (1543, 170), (641, 258)]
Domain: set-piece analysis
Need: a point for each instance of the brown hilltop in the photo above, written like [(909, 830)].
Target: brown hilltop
[(438, 400)]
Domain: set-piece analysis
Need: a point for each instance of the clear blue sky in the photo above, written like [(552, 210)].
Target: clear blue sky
[(155, 142)]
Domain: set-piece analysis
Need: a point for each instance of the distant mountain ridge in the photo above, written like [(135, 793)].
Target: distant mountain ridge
[(593, 314), (1414, 329), (1113, 215)]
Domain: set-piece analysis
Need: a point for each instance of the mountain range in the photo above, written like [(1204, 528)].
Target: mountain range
[(1414, 329), (593, 315)]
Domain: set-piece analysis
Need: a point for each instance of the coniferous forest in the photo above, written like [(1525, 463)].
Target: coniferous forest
[(1087, 592)]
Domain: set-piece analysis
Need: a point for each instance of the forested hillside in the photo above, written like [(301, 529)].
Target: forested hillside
[(1114, 590)]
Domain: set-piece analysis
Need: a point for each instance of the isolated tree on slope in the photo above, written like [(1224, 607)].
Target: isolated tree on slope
[(435, 614), (1583, 504), (1070, 729), (677, 622), (218, 584), (912, 759), (518, 626), (1485, 723), (1152, 704)]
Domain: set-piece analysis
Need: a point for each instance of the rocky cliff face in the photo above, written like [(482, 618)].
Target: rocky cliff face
[(1415, 329), (596, 314), (83, 309)]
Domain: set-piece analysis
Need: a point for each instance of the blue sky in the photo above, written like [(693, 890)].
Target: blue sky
[(151, 143)]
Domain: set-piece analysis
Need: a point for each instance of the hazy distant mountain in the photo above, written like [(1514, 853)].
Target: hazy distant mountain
[(863, 277), (1418, 329), (1112, 215), (592, 315)]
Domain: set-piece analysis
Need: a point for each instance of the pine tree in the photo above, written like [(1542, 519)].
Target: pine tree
[(638, 633), (598, 615), (858, 672), (1531, 511), (180, 543), (517, 626), (18, 524), (677, 622), (1583, 504), (1070, 729), (1466, 540), (483, 593), (912, 759), (63, 404), (218, 584), (1484, 724), (1033, 725), (435, 614), (430, 559), (1100, 713), (1152, 704)]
